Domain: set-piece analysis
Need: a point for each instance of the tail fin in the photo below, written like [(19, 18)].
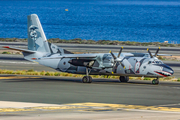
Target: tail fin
[(37, 40)]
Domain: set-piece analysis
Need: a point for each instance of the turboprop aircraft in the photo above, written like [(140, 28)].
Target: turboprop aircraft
[(118, 64)]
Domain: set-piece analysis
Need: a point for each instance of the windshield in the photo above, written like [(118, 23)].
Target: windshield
[(155, 62)]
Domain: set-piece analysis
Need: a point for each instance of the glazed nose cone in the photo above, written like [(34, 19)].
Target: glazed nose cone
[(168, 69)]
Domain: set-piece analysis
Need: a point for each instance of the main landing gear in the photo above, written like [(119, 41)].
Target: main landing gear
[(155, 81), (124, 78), (87, 78)]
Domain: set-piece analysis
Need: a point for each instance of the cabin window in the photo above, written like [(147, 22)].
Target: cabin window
[(149, 62)]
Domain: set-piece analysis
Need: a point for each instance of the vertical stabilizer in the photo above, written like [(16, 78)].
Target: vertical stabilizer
[(36, 38)]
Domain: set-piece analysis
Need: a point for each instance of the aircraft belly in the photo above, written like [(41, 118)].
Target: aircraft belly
[(53, 63), (81, 70)]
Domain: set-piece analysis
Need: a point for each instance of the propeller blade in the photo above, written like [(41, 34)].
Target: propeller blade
[(122, 65), (113, 55), (150, 53), (120, 52), (157, 51)]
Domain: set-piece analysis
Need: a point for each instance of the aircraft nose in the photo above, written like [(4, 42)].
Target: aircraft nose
[(168, 70)]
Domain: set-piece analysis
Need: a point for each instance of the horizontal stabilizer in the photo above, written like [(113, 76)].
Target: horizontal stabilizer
[(19, 49)]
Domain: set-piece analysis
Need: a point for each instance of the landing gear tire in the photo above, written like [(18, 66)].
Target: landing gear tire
[(87, 79), (124, 78), (155, 82), (90, 79)]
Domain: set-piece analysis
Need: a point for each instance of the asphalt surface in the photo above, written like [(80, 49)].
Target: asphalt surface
[(101, 48), (61, 90)]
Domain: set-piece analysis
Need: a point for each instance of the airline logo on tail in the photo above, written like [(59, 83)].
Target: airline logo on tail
[(33, 32)]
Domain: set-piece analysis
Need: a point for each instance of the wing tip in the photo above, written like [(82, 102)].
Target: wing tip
[(5, 46)]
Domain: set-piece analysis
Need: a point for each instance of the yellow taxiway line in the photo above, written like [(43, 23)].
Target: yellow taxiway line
[(92, 107), (16, 77)]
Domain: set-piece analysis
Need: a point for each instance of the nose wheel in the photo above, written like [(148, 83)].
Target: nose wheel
[(87, 78), (155, 81)]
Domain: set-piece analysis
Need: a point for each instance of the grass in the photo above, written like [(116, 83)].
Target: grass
[(5, 52), (147, 78), (47, 73)]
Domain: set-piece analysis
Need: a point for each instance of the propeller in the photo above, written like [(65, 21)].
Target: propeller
[(117, 59), (157, 51), (154, 54)]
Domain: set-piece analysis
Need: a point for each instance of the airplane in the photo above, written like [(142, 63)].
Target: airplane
[(117, 64)]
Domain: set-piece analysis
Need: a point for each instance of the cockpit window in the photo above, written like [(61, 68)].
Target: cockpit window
[(155, 62)]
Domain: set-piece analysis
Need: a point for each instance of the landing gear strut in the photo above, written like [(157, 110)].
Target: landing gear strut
[(87, 78), (155, 81), (124, 78)]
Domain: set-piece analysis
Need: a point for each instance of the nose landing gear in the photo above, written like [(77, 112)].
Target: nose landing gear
[(155, 81)]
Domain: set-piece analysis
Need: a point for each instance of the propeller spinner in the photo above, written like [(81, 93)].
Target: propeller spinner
[(117, 59)]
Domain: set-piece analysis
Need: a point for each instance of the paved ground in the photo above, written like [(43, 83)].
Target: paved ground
[(89, 115), (134, 100), (61, 90), (100, 48), (65, 90)]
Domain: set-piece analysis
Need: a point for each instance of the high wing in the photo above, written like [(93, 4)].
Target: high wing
[(19, 49), (162, 55), (86, 56)]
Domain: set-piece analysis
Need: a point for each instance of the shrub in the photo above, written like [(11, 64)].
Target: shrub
[(42, 73), (47, 74), (51, 73), (18, 72), (147, 78), (6, 52), (31, 70), (56, 74), (168, 78), (10, 72)]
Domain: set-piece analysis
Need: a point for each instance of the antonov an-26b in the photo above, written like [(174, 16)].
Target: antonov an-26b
[(118, 64)]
